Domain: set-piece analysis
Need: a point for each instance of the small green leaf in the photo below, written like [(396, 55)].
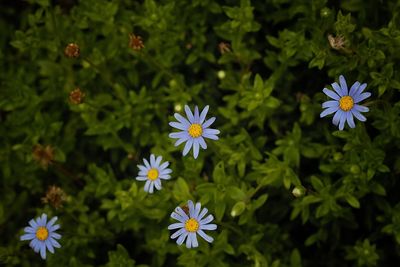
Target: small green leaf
[(353, 201), (378, 189), (258, 83), (317, 183), (295, 258), (181, 190), (219, 173), (235, 193), (220, 210)]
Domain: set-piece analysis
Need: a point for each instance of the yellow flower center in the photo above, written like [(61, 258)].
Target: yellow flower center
[(152, 174), (346, 103), (195, 130), (191, 225), (42, 233)]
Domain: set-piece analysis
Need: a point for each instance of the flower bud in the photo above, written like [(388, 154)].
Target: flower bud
[(221, 74), (325, 12), (238, 208), (298, 191), (178, 107)]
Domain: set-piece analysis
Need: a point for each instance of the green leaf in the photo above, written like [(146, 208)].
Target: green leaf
[(120, 258), (378, 189), (235, 193), (220, 210), (181, 190), (295, 258), (258, 83), (353, 201), (219, 173), (317, 183)]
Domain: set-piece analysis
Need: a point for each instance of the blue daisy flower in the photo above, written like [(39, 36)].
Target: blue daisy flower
[(345, 104), (191, 224), (153, 172), (42, 235), (193, 130)]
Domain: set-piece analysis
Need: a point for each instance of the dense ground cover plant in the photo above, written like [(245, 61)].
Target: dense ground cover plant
[(89, 89)]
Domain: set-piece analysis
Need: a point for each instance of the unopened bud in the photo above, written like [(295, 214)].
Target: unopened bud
[(238, 208), (298, 191), (221, 74), (325, 12), (178, 107)]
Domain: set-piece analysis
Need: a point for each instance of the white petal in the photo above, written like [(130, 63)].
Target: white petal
[(176, 226), (206, 237), (188, 146), (189, 114), (196, 148), (208, 226), (152, 160), (204, 114)]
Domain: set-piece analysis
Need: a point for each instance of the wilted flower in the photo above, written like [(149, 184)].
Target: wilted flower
[(42, 235), (224, 47), (189, 46), (337, 42), (153, 173), (194, 130), (72, 50), (135, 42), (191, 224), (76, 96), (55, 196), (345, 104), (43, 155)]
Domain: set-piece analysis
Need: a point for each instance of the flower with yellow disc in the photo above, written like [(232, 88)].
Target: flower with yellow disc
[(191, 224), (345, 103), (42, 235)]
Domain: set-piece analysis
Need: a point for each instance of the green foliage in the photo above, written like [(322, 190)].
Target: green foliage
[(285, 187)]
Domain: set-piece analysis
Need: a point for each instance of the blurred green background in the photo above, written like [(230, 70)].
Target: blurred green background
[(286, 188)]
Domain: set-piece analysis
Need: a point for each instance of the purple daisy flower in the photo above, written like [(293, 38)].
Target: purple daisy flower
[(42, 235), (153, 172), (345, 104), (193, 130), (191, 224)]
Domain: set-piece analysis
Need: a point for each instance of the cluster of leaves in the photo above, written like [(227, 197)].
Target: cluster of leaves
[(264, 87)]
